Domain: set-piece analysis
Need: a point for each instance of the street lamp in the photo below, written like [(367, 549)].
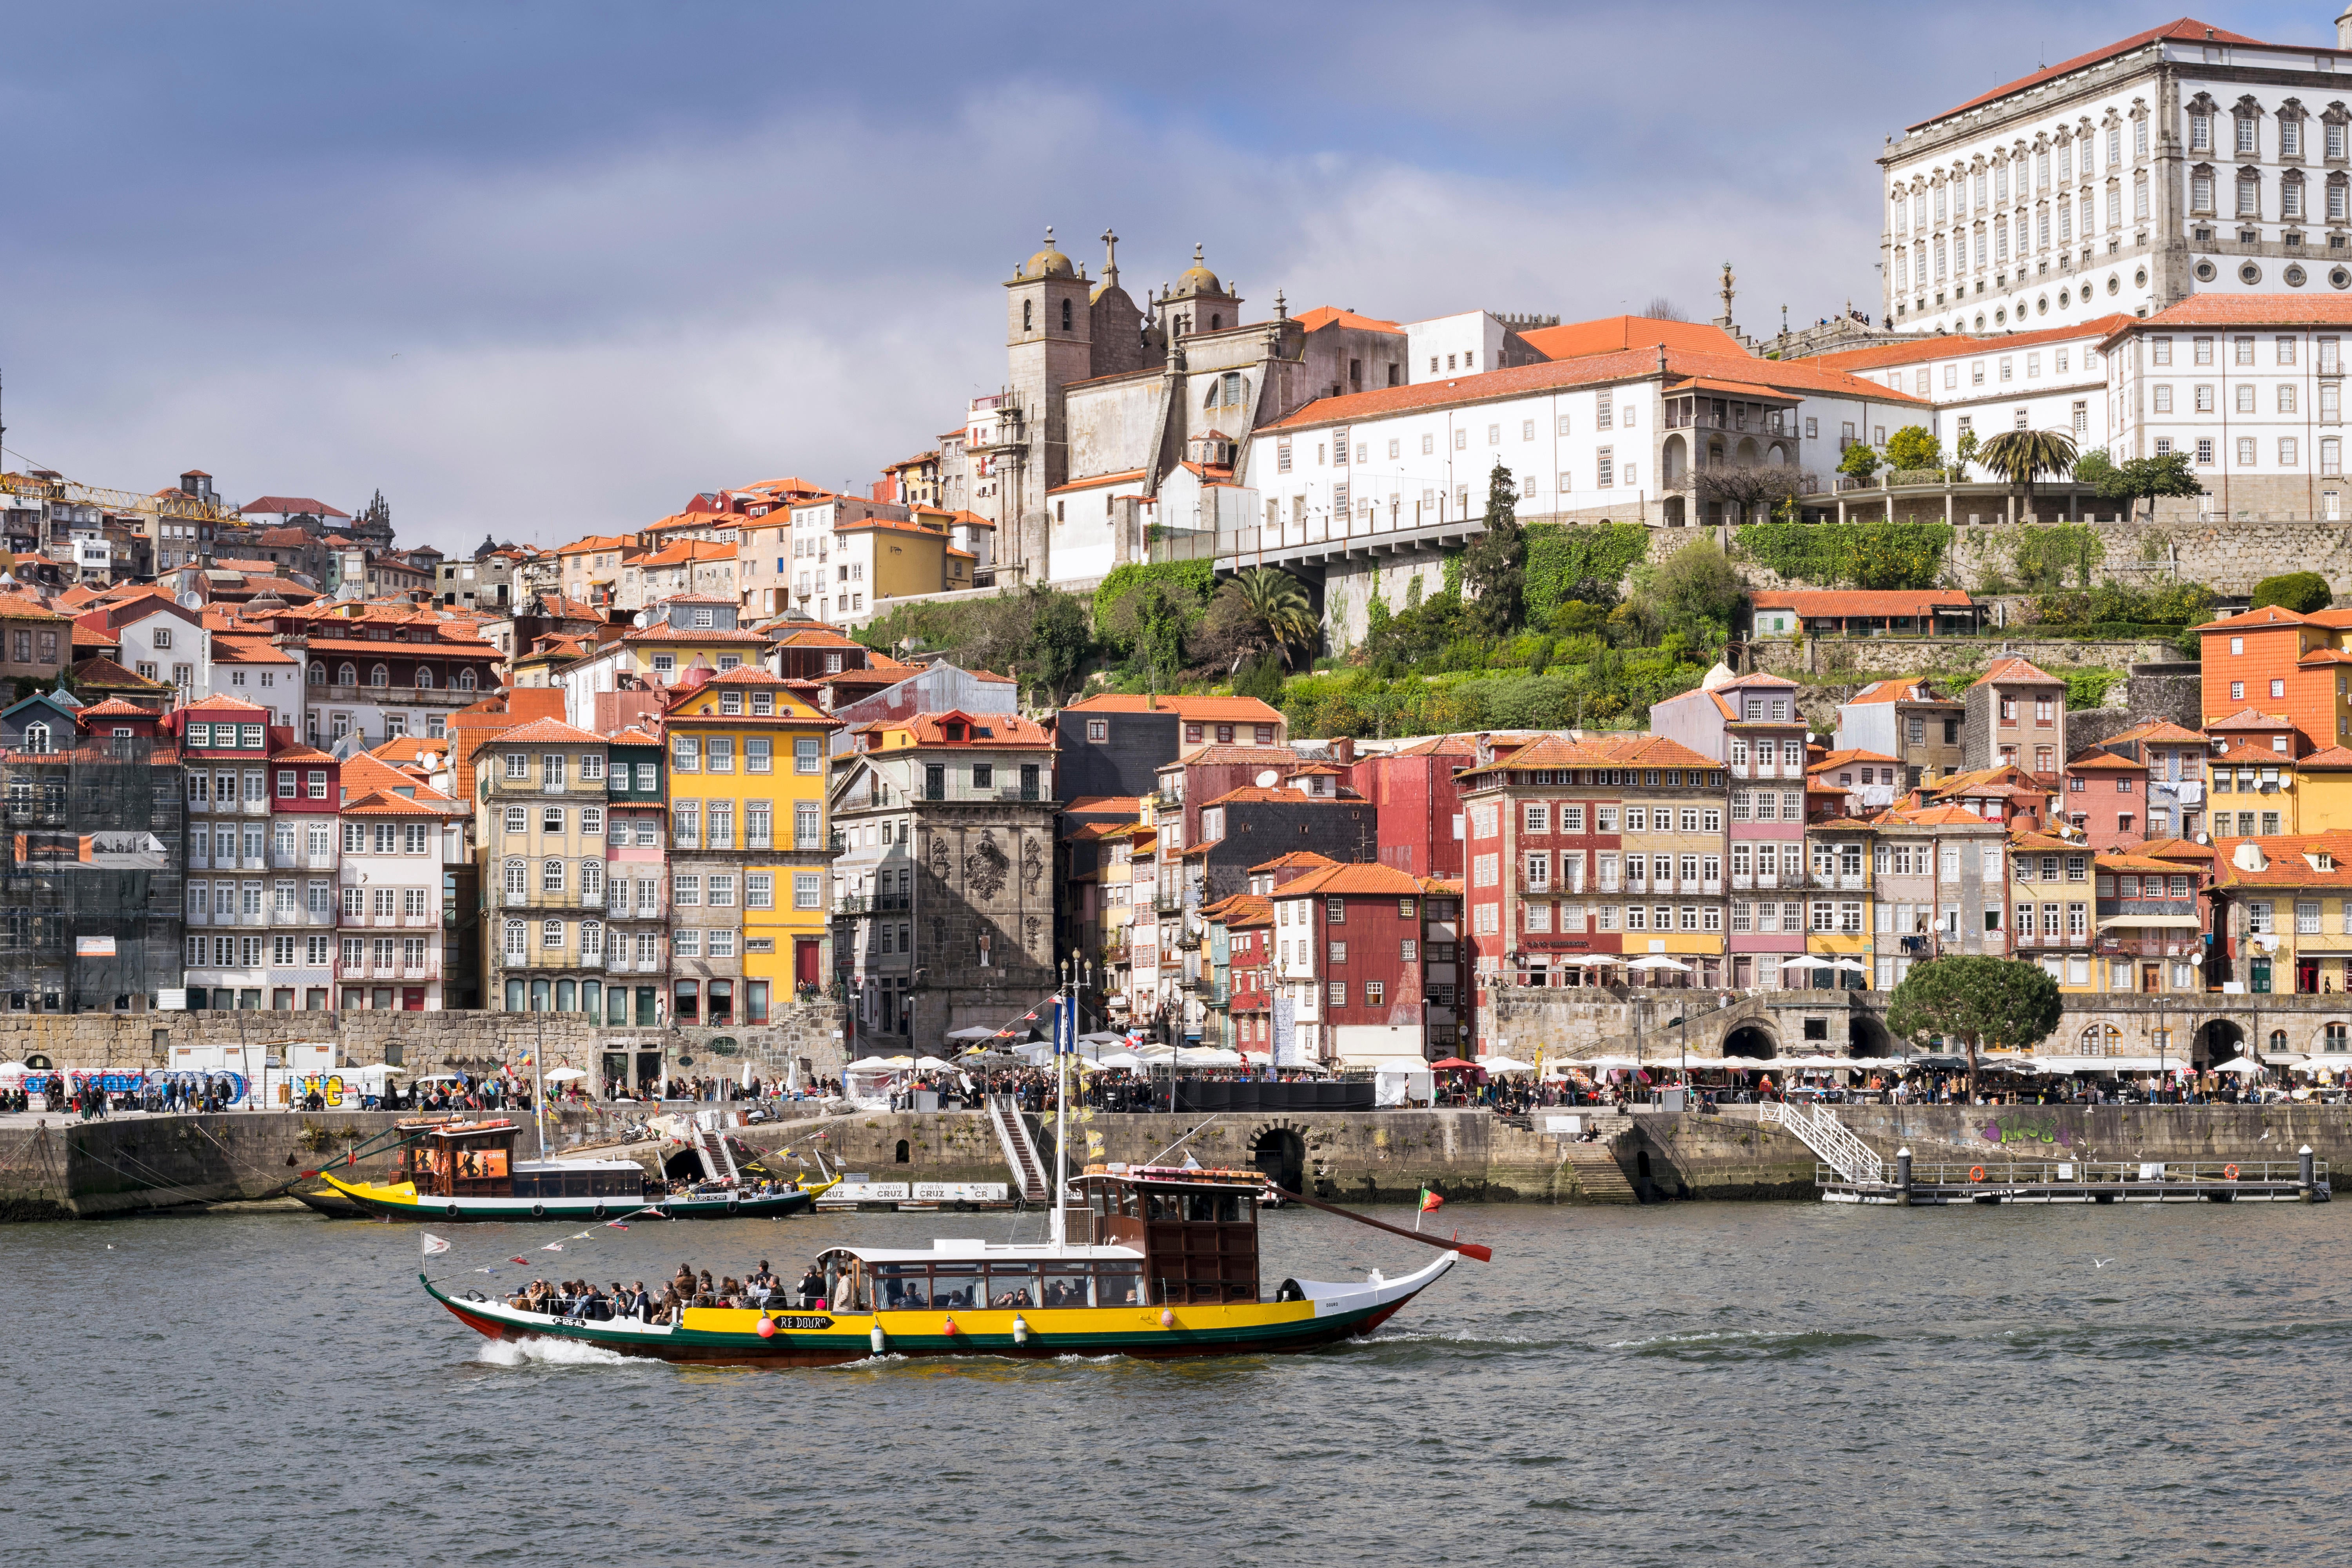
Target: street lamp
[(1683, 1022)]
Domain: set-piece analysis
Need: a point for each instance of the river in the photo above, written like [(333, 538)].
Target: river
[(1717, 1383)]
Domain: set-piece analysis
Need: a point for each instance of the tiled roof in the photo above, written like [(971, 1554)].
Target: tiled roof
[(1552, 375), (2268, 615), (294, 753), (2251, 718), (105, 672), (1098, 805), (1191, 710), (1953, 345), (1897, 691), (1370, 878), (746, 675), (550, 732), (2104, 762), (1209, 753), (2013, 668), (633, 736), (1091, 482), (2159, 731), (116, 707), (2185, 28), (1323, 316), (1863, 601), (223, 705), (1296, 858), (669, 634), (1935, 817), (384, 803), (1616, 334), (1005, 730), (18, 608), (1263, 794), (2328, 757), (229, 650), (2115, 860), (1848, 758), (283, 504), (2286, 868), (2204, 309)]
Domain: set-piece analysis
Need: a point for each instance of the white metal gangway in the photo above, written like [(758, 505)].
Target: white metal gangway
[(1825, 1135)]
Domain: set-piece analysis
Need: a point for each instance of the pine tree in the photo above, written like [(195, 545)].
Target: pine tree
[(1494, 566)]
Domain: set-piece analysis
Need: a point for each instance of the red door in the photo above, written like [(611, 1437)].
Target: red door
[(805, 960)]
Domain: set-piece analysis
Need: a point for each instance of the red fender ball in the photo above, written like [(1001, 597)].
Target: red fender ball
[(767, 1328)]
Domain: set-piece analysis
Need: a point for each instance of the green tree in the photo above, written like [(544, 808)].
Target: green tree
[(1861, 461), (2137, 479), (2098, 471), (1913, 448), (1964, 452), (2021, 457), (1494, 566), (2302, 592), (1978, 1002), (1696, 591), (1279, 602), (1058, 643)]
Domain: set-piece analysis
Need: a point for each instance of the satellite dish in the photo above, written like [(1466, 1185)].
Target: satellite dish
[(2204, 838), (1267, 778)]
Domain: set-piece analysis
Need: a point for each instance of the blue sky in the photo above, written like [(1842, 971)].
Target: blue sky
[(543, 269)]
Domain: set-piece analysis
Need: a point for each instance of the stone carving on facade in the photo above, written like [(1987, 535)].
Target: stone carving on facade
[(985, 868), (1033, 865), (939, 857), (1029, 940)]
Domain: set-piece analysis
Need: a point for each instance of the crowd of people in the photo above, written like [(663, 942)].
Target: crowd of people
[(710, 1091), (580, 1299), (1520, 1095)]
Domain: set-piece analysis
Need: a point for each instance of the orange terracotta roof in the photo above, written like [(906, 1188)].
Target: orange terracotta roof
[(1323, 316), (1849, 758), (1092, 481), (232, 650), (1191, 710), (1935, 817), (2328, 757), (550, 731), (2203, 309), (294, 753), (2251, 718), (116, 707), (2185, 28), (2013, 668), (1370, 878), (1005, 730), (1265, 795), (2160, 729), (2287, 867), (1953, 345), (2122, 860), (2268, 615), (384, 803), (1616, 334), (1096, 804), (1519, 381), (223, 705), (1897, 691), (2104, 762), (633, 736)]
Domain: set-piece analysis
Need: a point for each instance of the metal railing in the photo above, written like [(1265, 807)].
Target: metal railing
[(1825, 1135), (873, 903)]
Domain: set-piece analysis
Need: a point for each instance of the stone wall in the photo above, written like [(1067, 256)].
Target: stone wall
[(805, 1036), (1854, 660)]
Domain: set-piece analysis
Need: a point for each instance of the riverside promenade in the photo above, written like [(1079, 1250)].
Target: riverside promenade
[(54, 1167)]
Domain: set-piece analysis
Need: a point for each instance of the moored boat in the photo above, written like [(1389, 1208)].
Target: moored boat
[(466, 1171)]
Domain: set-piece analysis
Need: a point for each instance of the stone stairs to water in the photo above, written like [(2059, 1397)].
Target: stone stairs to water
[(1599, 1177)]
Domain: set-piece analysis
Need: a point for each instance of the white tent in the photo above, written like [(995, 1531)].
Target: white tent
[(1208, 1056), (2238, 1065), (1505, 1064), (1659, 960), (1120, 1061), (564, 1075), (1806, 961)]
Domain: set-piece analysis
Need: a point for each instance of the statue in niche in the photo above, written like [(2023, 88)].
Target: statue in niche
[(939, 857), (1033, 865), (985, 868)]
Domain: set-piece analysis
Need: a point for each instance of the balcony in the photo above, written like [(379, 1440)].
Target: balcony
[(396, 696), (501, 788), (1167, 901), (1842, 881), (571, 903), (872, 903)]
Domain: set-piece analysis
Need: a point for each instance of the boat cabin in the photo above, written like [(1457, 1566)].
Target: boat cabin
[(1197, 1230), (476, 1160)]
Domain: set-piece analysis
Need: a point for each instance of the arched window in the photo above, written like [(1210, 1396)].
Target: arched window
[(2102, 1041), (2334, 1039), (1028, 322), (1066, 315), (592, 940), (1215, 322), (37, 736), (424, 678), (2278, 1042), (550, 933), (465, 681), (380, 675), (518, 879), (347, 674), (592, 881), (516, 949), (550, 876), (318, 675)]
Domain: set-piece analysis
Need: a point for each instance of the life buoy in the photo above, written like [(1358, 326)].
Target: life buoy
[(733, 1202), (451, 1211), (2229, 1172), (600, 1211), (539, 1210), (1976, 1172)]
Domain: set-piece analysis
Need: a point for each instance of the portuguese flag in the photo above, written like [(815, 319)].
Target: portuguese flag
[(1429, 1200)]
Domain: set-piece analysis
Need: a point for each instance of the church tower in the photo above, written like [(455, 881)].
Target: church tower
[(1048, 336), (1197, 303), (1121, 343)]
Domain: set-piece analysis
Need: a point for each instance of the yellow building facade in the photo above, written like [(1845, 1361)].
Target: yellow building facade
[(750, 849)]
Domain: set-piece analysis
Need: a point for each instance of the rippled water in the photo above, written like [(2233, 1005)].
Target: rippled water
[(1691, 1383)]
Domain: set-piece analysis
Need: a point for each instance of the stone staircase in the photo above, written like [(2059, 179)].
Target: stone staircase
[(1598, 1175), (1020, 1150)]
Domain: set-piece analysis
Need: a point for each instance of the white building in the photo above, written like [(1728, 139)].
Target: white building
[(389, 905), (2181, 159)]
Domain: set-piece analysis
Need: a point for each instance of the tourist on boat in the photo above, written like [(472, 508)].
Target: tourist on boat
[(812, 1287)]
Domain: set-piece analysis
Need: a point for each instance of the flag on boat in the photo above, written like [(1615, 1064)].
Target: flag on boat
[(525, 1261), (433, 1245), (1429, 1200), (614, 1224), (552, 1247)]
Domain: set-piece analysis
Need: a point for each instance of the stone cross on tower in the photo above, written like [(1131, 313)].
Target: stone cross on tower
[(1724, 320), (1110, 258)]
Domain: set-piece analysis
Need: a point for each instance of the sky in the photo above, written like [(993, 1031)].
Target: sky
[(541, 270)]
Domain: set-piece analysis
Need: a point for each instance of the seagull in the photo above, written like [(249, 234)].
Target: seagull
[(2100, 1262)]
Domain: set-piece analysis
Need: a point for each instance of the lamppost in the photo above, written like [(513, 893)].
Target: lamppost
[(1683, 1023)]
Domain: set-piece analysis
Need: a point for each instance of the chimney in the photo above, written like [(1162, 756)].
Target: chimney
[(1343, 750), (1151, 701)]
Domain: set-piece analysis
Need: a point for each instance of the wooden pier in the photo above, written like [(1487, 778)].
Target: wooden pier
[(2300, 1180)]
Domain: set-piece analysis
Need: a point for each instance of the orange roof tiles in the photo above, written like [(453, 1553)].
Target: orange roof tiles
[(2287, 866), (1947, 346), (1616, 334), (1323, 316), (1191, 710), (1785, 375), (1368, 878), (2013, 668), (2251, 718), (1092, 481), (1848, 758), (2268, 615), (2159, 729), (1897, 691), (2202, 309), (2104, 762), (1863, 601), (2186, 27), (116, 707), (550, 731)]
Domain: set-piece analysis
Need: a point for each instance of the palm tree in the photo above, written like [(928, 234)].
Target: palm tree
[(2021, 455), (1278, 603)]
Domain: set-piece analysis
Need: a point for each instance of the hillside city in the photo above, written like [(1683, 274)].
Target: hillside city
[(1330, 689)]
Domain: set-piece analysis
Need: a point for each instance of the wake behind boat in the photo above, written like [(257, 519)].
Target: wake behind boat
[(467, 1171), (1157, 1262)]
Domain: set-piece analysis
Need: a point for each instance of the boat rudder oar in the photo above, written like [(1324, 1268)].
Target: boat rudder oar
[(1446, 1244)]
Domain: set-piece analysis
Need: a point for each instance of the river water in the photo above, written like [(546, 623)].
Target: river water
[(1690, 1383)]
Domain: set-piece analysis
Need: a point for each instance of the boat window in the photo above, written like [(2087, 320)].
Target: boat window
[(956, 1285), (1164, 1206), (1201, 1206), (903, 1286), (1068, 1287), (1119, 1284), (1012, 1284)]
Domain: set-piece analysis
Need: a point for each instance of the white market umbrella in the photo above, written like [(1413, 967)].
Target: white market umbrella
[(1503, 1064), (564, 1075), (934, 1062), (1850, 966), (1122, 1061), (975, 1032), (1658, 960), (1102, 1037), (2238, 1065), (1209, 1057)]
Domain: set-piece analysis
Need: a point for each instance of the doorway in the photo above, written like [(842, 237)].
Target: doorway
[(1280, 1155)]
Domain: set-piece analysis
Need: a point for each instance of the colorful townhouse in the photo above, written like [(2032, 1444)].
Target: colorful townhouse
[(389, 907), (1940, 889), (2015, 716), (2283, 916), (539, 818), (1347, 951), (749, 846), (637, 885), (1753, 728)]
